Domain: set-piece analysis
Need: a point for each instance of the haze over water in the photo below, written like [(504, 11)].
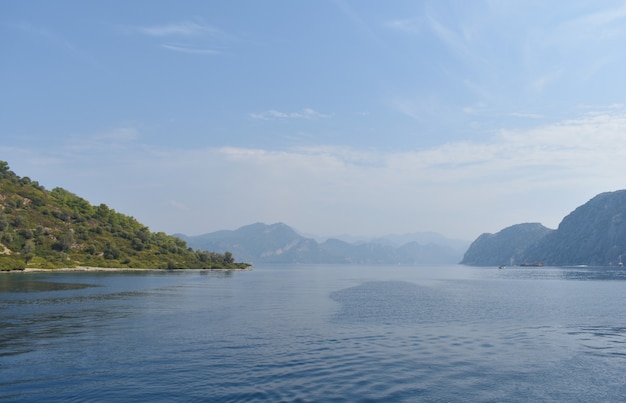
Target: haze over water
[(315, 333)]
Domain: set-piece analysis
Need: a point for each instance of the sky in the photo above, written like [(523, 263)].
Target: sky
[(335, 117)]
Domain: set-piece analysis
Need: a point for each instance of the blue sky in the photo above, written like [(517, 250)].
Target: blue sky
[(359, 117)]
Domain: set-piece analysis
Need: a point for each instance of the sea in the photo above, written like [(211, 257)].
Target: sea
[(316, 333)]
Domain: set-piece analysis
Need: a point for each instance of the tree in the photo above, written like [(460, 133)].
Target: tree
[(65, 242), (3, 220), (28, 251), (111, 252), (228, 257)]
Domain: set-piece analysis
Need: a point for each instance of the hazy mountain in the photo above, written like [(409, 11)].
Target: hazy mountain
[(505, 247), (423, 238), (278, 243), (593, 234), (398, 240)]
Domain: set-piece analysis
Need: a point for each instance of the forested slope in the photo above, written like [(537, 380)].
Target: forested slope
[(53, 229)]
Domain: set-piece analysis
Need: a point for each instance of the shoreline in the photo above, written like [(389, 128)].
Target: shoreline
[(108, 269), (80, 268)]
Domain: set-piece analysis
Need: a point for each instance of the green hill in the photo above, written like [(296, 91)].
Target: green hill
[(57, 229)]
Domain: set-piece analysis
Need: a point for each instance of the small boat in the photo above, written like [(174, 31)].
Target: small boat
[(501, 266)]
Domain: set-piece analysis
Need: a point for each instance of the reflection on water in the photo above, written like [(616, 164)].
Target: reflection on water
[(582, 273), (385, 302), (602, 340), (16, 283)]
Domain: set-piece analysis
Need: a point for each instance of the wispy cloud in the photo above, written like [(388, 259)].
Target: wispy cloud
[(461, 38), (603, 18), (190, 37), (578, 48), (411, 26), (526, 115), (497, 180), (56, 40), (536, 174), (540, 83), (178, 205), (272, 114), (475, 109), (420, 108), (360, 23), (119, 138), (189, 49), (183, 28), (46, 34)]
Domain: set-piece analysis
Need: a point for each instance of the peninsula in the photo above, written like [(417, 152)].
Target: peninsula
[(42, 229)]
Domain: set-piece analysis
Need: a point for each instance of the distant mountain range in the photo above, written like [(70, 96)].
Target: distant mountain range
[(278, 243), (593, 234)]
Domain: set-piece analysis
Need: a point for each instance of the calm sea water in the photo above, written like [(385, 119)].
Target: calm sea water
[(316, 333)]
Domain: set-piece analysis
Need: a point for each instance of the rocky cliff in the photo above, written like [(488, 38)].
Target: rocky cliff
[(593, 234)]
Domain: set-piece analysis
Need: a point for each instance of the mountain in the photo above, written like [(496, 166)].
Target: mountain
[(593, 234), (505, 247), (52, 229), (279, 243), (423, 238), (258, 242)]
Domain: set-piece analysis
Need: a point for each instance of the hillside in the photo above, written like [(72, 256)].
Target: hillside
[(506, 247), (593, 234), (279, 243), (54, 229)]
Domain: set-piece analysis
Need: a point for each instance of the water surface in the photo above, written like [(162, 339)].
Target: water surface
[(315, 333)]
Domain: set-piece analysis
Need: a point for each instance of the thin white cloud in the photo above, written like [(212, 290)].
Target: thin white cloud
[(178, 205), (56, 40), (272, 114), (603, 18), (190, 50), (460, 43), (591, 40), (526, 115), (415, 108), (119, 138), (475, 109), (459, 188), (183, 28), (540, 83), (360, 23), (410, 26), (496, 180), (120, 134), (189, 37), (45, 34)]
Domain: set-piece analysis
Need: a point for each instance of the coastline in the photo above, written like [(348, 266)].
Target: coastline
[(81, 268), (107, 269)]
